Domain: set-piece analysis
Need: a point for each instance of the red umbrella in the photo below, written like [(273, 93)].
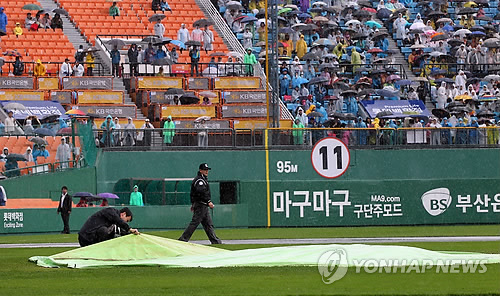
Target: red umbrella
[(240, 18), (375, 50), (372, 10), (75, 112)]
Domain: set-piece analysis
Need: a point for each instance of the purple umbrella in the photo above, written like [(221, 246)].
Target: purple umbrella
[(107, 195)]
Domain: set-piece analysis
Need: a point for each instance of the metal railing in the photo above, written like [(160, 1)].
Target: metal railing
[(45, 168), (477, 70), (215, 69), (52, 68), (358, 138)]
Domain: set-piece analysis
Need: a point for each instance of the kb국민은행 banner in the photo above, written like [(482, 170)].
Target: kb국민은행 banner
[(113, 110), (21, 95), (236, 82), (159, 82), (48, 83), (231, 97), (244, 111), (187, 111), (100, 97), (86, 82), (62, 96), (17, 82)]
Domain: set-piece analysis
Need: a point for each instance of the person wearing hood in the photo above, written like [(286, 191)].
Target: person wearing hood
[(446, 133), (441, 96), (284, 80), (250, 60), (145, 134), (3, 156), (129, 134), (63, 153), (298, 135), (168, 130), (461, 137), (473, 133), (108, 126), (28, 155), (302, 116), (418, 19), (28, 128), (136, 197), (312, 108), (435, 133), (460, 79), (117, 132), (301, 47), (400, 26), (40, 69)]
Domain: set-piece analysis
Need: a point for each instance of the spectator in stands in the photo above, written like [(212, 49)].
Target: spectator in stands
[(3, 197), (206, 102), (140, 54), (400, 26), (194, 54), (149, 54), (155, 5), (29, 21), (129, 135), (18, 67), (132, 59), (79, 54), (183, 34), (160, 72), (29, 155), (3, 20), (11, 169), (136, 197), (174, 56), (168, 131), (202, 133), (108, 126), (45, 21), (164, 6), (63, 153), (104, 203), (250, 60), (40, 69), (114, 11), (298, 135), (197, 34), (117, 132), (3, 156), (145, 134), (65, 69), (10, 123), (115, 61), (41, 152), (18, 30), (89, 60), (28, 128), (56, 22), (82, 203), (78, 69), (160, 53), (159, 29), (208, 39), (247, 38)]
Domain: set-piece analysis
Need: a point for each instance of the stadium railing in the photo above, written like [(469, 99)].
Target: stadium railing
[(52, 68), (220, 69), (477, 70)]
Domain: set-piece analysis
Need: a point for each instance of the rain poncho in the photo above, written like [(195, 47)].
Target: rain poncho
[(136, 198), (298, 135), (107, 138), (301, 47), (400, 26), (168, 130), (129, 135)]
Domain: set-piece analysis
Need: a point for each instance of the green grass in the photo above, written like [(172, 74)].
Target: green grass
[(255, 233)]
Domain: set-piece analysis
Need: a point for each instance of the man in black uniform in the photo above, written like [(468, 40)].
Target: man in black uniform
[(200, 200), (105, 224), (64, 208)]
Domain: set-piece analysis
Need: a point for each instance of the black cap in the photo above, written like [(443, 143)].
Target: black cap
[(204, 166)]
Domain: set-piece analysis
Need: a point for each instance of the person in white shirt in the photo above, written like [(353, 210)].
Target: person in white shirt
[(78, 69), (183, 34), (63, 153), (10, 123), (3, 156), (197, 34), (159, 29), (65, 69), (140, 54)]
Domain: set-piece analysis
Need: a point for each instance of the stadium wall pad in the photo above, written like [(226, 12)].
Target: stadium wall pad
[(380, 187)]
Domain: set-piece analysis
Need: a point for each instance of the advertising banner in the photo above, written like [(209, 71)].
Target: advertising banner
[(48, 83), (62, 96), (198, 83), (159, 82), (399, 109), (180, 68), (161, 97), (115, 110), (15, 95), (231, 97), (100, 97), (236, 82), (40, 109), (215, 124), (87, 82), (187, 111), (244, 111), (19, 82), (258, 124)]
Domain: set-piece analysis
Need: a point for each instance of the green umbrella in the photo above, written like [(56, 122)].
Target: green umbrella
[(284, 10), (32, 7)]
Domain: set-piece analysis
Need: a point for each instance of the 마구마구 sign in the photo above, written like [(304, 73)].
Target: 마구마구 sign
[(19, 82), (86, 82)]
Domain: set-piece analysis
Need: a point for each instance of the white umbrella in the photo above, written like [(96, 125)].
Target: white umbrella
[(491, 77), (320, 3), (353, 22), (235, 54), (14, 106), (436, 54), (205, 118), (461, 32), (417, 26), (210, 72), (208, 94)]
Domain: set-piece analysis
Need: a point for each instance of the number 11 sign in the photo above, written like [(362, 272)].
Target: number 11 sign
[(330, 158)]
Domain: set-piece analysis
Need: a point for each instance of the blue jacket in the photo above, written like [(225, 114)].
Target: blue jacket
[(115, 56), (3, 21)]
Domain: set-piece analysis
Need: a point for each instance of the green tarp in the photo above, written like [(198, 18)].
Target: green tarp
[(148, 250)]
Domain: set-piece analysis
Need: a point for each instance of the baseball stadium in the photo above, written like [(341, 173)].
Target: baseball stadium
[(326, 147)]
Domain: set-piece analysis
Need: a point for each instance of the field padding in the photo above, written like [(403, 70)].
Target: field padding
[(148, 250)]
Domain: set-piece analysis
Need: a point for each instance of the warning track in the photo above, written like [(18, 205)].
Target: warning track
[(301, 241)]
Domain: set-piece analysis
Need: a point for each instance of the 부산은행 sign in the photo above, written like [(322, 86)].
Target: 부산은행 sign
[(159, 82)]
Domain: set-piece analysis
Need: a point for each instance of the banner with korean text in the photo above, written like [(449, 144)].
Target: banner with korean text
[(198, 83), (258, 124), (87, 82), (234, 96), (48, 83), (114, 110), (100, 97), (244, 111), (20, 95), (214, 124), (159, 82), (236, 82), (17, 82), (40, 109), (62, 96), (187, 111)]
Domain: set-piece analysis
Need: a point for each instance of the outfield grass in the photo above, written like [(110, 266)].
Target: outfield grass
[(313, 232)]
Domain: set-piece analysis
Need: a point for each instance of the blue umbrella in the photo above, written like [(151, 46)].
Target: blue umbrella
[(304, 15), (373, 24), (249, 19), (178, 43), (302, 80), (403, 82), (351, 47), (387, 93), (384, 13), (448, 28), (478, 33)]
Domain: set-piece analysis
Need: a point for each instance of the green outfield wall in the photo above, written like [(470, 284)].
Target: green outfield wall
[(282, 188)]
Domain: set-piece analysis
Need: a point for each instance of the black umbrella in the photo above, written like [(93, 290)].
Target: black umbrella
[(383, 13), (16, 157), (455, 104), (361, 14), (359, 36), (317, 9), (150, 39), (379, 35), (377, 71), (455, 42), (328, 66), (484, 18), (366, 92), (44, 132), (440, 113), (384, 114), (444, 79), (364, 3), (84, 195), (156, 17), (317, 80), (175, 91), (390, 70), (309, 56), (116, 42), (435, 14), (193, 43), (60, 11), (343, 116), (286, 30), (473, 80), (485, 113), (188, 99), (476, 28), (341, 85), (162, 41), (314, 114), (466, 10), (348, 93), (202, 23), (50, 118), (439, 37)]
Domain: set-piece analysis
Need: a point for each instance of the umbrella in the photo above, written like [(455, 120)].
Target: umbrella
[(350, 48), (304, 16), (375, 50), (204, 118), (163, 61), (417, 46), (286, 30), (476, 28), (403, 82), (466, 10), (317, 80), (44, 132), (260, 43), (448, 28), (249, 19), (107, 195), (379, 35), (64, 131), (309, 56), (14, 106), (445, 79), (16, 157), (462, 32), (314, 114), (116, 42), (473, 80), (59, 11), (348, 93), (417, 26), (484, 113), (320, 19), (38, 141), (84, 195), (12, 53), (156, 17), (455, 42), (484, 18), (92, 49), (234, 5), (188, 99), (436, 54), (301, 80), (343, 116), (328, 66), (193, 43), (32, 7), (491, 42), (373, 24), (384, 114), (440, 113), (50, 118), (444, 20), (341, 85), (178, 43), (492, 77), (292, 6), (478, 33), (323, 41), (208, 94), (463, 97), (235, 54), (387, 93), (75, 112), (359, 36), (174, 91), (162, 41), (393, 77), (284, 58), (361, 14), (218, 54), (353, 22), (384, 13), (366, 91), (284, 10), (202, 23), (439, 37), (150, 39)]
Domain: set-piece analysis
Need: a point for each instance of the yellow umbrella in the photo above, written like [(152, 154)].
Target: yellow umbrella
[(463, 97), (470, 4)]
